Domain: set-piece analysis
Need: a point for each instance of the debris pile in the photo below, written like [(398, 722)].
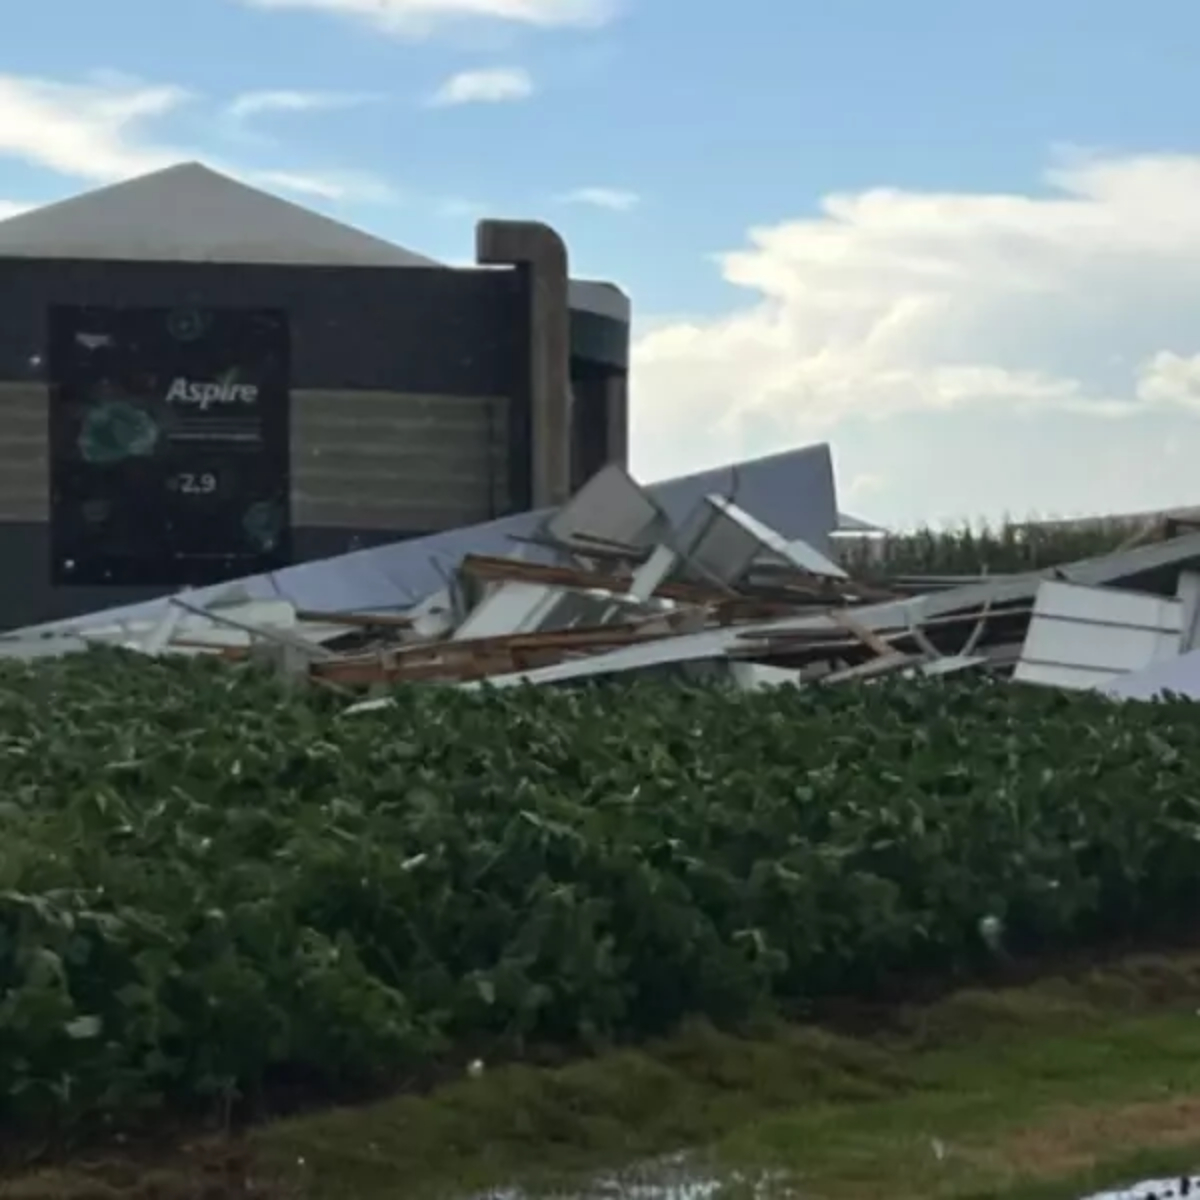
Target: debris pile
[(610, 584)]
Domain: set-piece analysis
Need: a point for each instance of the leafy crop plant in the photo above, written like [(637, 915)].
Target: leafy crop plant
[(209, 882)]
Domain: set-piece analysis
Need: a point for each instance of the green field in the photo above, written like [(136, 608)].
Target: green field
[(220, 897), (1046, 1092), (968, 549)]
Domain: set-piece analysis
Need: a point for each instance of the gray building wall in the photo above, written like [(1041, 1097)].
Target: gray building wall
[(407, 385), (409, 401)]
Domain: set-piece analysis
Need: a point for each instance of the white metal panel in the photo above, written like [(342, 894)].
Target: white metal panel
[(1106, 606), (1095, 646), (610, 508), (754, 677), (718, 548), (1180, 676), (1082, 637), (793, 492), (514, 607), (797, 552), (1069, 678), (1188, 592)]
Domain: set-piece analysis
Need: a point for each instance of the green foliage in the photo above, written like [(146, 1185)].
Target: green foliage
[(983, 548), (208, 881)]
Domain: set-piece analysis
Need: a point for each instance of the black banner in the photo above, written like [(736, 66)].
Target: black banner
[(168, 444)]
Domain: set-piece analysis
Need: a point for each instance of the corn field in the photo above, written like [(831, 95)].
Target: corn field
[(981, 548)]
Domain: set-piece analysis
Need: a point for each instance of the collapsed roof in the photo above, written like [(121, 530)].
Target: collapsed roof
[(687, 578), (793, 492)]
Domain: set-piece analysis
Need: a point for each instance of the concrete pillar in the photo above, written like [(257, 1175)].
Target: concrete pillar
[(537, 249)]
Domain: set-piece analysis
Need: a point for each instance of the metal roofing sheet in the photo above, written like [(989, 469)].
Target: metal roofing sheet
[(1081, 637), (792, 492), (1180, 676)]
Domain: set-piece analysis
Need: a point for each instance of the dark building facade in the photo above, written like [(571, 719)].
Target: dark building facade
[(409, 404), (599, 382)]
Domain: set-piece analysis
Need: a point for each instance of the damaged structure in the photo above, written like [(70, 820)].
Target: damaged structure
[(727, 574)]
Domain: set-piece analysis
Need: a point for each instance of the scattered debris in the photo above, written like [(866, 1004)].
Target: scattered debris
[(1080, 636), (1155, 1189), (613, 583)]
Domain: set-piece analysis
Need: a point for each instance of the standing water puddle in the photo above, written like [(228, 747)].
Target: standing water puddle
[(677, 1178)]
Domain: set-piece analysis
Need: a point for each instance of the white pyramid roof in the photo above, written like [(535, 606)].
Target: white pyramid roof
[(190, 213)]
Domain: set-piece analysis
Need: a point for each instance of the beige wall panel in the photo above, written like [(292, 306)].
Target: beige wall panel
[(371, 460)]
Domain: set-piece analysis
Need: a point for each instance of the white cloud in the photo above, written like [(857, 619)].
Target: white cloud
[(491, 85), (420, 18), (342, 186), (460, 208), (10, 208), (603, 197), (863, 485), (94, 131), (104, 130), (1170, 379), (253, 104), (1079, 300)]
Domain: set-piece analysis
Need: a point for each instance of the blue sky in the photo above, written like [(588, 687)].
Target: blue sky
[(960, 241)]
